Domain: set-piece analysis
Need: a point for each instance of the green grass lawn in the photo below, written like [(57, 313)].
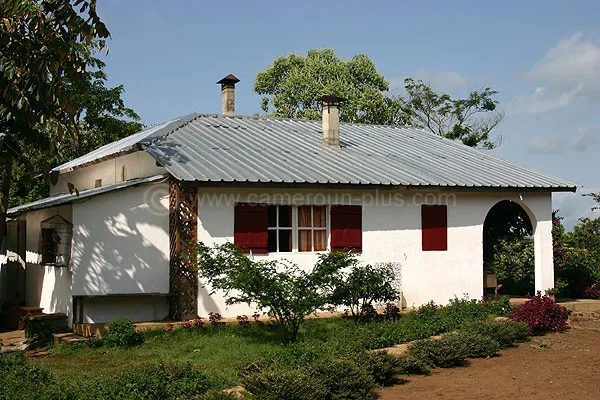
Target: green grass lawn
[(222, 352)]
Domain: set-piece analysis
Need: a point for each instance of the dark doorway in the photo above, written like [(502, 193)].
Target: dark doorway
[(508, 250)]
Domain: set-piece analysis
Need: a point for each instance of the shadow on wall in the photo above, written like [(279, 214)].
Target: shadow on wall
[(121, 244)]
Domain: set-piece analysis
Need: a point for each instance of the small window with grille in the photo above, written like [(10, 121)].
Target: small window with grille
[(55, 241)]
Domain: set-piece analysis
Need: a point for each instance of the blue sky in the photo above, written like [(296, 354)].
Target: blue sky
[(543, 57)]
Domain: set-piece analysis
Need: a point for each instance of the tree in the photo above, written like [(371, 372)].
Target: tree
[(101, 118), (41, 44), (456, 119), (291, 85)]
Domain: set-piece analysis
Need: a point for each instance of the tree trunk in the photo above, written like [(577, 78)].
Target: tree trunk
[(5, 190)]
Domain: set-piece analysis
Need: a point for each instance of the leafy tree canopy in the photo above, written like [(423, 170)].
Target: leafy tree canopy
[(291, 85), (43, 45)]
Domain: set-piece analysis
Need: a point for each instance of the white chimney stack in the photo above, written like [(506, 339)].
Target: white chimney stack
[(331, 121), (228, 94)]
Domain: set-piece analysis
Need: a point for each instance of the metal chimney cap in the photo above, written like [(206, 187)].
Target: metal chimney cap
[(229, 79)]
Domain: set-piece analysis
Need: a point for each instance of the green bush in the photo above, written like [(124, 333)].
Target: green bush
[(363, 286), (286, 292), (284, 385), (344, 380), (505, 333), (18, 377), (446, 352), (382, 365), (218, 394), (475, 344), (122, 333), (413, 366)]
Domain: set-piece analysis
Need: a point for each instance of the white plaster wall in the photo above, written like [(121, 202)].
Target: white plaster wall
[(139, 309), (121, 242), (46, 286), (137, 165), (391, 233)]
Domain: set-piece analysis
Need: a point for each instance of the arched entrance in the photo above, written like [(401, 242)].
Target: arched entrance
[(508, 248)]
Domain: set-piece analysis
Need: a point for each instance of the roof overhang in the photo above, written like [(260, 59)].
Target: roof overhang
[(62, 199)]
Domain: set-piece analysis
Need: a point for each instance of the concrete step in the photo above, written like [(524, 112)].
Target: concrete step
[(68, 338)]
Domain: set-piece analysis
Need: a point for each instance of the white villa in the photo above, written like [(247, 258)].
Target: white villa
[(111, 239)]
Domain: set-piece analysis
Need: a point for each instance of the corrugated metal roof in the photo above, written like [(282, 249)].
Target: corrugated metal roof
[(70, 198), (145, 137), (212, 148)]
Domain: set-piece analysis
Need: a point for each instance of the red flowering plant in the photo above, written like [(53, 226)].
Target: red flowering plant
[(542, 314)]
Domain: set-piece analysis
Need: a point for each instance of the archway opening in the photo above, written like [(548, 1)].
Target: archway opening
[(508, 249)]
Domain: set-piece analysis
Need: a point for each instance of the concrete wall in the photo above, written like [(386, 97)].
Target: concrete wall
[(121, 247), (137, 165), (392, 233)]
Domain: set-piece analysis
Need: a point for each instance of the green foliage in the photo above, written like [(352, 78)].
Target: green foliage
[(456, 119), (508, 247), (280, 385), (287, 293), (363, 286), (344, 380), (43, 43), (122, 333), (576, 257), (292, 84), (446, 352), (514, 264), (505, 333), (381, 365), (144, 382), (147, 382), (475, 344), (18, 377)]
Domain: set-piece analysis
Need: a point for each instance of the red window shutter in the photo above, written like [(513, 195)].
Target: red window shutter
[(250, 227), (434, 227), (346, 228)]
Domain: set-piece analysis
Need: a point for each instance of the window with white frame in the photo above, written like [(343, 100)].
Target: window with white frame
[(297, 228)]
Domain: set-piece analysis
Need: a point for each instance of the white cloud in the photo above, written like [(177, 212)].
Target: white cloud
[(543, 99), (581, 140), (572, 62), (447, 82), (539, 145), (568, 70)]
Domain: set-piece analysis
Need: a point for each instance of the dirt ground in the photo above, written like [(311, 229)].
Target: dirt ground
[(554, 366)]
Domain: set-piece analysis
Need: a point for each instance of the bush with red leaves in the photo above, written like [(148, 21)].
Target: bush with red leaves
[(542, 314)]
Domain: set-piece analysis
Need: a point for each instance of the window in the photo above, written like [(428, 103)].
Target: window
[(434, 227), (56, 237), (262, 229), (280, 228), (312, 228)]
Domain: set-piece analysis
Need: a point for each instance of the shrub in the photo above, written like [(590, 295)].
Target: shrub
[(413, 366), (344, 380), (289, 385), (542, 314), (382, 366), (475, 344), (287, 293), (363, 286), (17, 377), (446, 352), (122, 333), (505, 333), (147, 382)]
